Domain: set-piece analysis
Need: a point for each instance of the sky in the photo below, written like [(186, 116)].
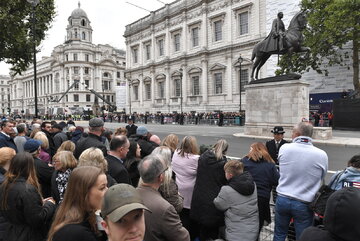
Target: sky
[(108, 20)]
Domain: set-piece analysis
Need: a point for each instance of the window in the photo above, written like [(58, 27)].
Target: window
[(148, 51), (88, 98), (195, 36), (106, 85), (86, 70), (161, 89), (83, 22), (177, 42), (87, 58), (87, 83), (75, 57), (76, 70), (117, 74), (135, 55), (76, 86), (148, 91), (67, 57), (136, 92), (218, 30), (244, 79), (76, 97), (83, 36), (218, 83), (76, 34), (177, 87), (161, 47), (108, 98), (195, 85), (106, 74), (244, 23)]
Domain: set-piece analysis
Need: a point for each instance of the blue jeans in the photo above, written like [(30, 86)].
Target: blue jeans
[(286, 209)]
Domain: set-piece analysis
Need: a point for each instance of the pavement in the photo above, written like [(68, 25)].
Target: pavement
[(340, 137)]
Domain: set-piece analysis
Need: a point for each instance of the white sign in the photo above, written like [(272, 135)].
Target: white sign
[(120, 96)]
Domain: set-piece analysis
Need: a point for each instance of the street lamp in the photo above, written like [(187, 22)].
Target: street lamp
[(240, 60), (181, 98), (34, 3)]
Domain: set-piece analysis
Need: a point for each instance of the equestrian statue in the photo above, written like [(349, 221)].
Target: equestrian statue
[(279, 41)]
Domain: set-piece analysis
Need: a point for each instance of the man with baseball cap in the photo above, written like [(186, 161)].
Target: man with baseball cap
[(96, 128), (123, 213)]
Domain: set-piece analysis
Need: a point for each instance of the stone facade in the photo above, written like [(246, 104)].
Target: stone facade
[(190, 49), (98, 67), (5, 94)]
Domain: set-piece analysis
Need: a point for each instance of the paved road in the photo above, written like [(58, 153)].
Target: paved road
[(238, 147)]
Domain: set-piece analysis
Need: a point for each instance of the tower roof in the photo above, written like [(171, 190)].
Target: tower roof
[(78, 12)]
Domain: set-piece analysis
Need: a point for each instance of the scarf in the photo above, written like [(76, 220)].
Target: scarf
[(62, 181)]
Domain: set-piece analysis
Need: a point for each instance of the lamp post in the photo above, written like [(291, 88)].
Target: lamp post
[(34, 3), (181, 98), (240, 60)]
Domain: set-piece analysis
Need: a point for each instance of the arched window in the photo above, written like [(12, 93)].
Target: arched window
[(76, 34), (83, 22), (83, 36)]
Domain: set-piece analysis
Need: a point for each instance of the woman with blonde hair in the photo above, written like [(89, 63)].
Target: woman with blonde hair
[(94, 157), (75, 218), (67, 146), (169, 189), (184, 164), (261, 166), (21, 202), (171, 141), (210, 178), (120, 131), (64, 163), (44, 155)]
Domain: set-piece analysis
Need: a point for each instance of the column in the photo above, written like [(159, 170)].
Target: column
[(229, 70), (167, 85), (184, 85), (229, 28), (184, 34), (81, 86), (204, 82), (204, 28), (141, 87), (152, 87)]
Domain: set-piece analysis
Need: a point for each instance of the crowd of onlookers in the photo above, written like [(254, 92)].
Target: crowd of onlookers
[(60, 181)]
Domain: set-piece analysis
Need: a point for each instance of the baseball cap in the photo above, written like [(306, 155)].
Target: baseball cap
[(119, 200), (32, 145), (141, 131), (57, 126), (96, 122)]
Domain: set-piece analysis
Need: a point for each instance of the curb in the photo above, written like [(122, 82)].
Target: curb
[(338, 141)]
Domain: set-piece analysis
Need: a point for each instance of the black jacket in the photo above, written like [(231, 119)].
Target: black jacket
[(7, 142), (341, 219), (210, 178), (27, 216), (44, 173), (51, 149), (3, 222), (146, 146), (273, 151), (117, 170), (131, 130), (75, 232), (264, 174), (91, 140)]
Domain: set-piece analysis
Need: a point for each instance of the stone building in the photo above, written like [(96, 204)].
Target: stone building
[(5, 94), (77, 63), (184, 56)]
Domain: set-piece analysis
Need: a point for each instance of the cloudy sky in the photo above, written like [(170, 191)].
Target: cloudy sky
[(108, 19)]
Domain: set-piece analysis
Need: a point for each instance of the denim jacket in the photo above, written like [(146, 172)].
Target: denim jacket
[(350, 178)]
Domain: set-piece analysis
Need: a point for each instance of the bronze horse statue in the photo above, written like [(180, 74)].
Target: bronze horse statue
[(293, 39)]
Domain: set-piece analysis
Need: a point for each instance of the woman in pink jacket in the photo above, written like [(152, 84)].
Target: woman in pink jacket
[(184, 165)]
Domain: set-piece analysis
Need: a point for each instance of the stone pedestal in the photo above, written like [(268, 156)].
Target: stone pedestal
[(283, 103)]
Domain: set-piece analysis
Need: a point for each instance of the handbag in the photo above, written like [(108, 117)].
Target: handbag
[(318, 205)]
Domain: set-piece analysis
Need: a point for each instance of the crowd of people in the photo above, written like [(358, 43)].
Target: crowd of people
[(65, 182)]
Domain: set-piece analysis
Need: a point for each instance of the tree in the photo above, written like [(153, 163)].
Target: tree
[(16, 42), (332, 24)]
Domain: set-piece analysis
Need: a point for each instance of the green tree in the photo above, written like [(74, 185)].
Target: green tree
[(331, 25), (16, 42)]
